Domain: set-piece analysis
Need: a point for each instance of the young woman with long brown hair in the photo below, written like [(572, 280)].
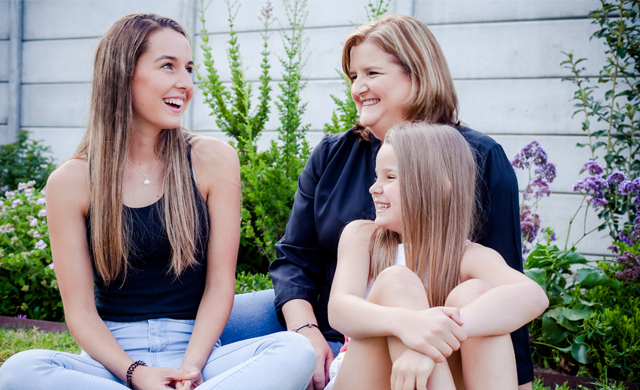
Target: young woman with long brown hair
[(410, 285), (145, 223)]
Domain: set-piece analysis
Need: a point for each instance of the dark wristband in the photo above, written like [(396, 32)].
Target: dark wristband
[(130, 370), (309, 325)]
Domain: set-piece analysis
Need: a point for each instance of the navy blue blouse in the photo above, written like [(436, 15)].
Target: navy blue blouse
[(333, 190)]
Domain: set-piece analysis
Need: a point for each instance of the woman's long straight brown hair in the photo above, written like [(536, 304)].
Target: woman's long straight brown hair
[(105, 145), (437, 174)]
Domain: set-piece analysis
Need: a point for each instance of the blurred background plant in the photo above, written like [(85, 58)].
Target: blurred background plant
[(28, 285), (24, 160), (269, 177)]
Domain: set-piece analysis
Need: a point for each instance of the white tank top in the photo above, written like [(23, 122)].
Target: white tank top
[(399, 261)]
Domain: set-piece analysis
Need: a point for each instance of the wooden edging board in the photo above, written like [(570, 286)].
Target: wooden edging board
[(49, 326)]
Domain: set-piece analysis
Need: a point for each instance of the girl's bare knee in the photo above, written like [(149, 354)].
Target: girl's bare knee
[(467, 292), (396, 282)]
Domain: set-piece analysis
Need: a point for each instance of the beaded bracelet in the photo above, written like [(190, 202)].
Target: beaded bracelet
[(132, 367), (309, 325)]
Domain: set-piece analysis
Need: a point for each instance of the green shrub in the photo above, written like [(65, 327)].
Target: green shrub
[(28, 285), (270, 177), (24, 160), (246, 283)]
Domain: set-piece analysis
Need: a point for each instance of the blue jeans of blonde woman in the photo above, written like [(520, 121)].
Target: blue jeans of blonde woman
[(283, 360)]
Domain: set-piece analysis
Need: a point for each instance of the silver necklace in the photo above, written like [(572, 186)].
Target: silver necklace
[(146, 181)]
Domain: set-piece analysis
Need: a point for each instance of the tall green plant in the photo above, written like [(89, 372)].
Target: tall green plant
[(269, 177), (615, 138), (345, 115), (24, 160)]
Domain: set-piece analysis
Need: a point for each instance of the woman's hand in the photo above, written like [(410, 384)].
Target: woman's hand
[(434, 332), (157, 378), (191, 383), (323, 354), (411, 370)]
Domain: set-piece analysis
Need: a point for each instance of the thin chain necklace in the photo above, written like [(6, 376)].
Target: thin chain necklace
[(146, 181)]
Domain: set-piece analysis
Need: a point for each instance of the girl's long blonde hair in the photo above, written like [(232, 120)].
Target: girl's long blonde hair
[(437, 174), (105, 145)]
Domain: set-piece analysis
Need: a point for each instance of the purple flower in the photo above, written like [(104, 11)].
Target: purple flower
[(42, 213), (16, 203), (22, 316), (593, 167), (9, 194), (631, 267), (625, 239), (51, 266), (615, 178), (35, 234), (614, 249), (22, 186), (40, 245), (41, 201), (592, 187), (626, 187), (547, 172), (28, 192), (33, 222), (542, 188)]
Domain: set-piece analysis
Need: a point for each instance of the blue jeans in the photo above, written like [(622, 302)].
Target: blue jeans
[(283, 360), (254, 315)]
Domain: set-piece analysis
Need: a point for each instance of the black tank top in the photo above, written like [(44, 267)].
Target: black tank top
[(150, 289)]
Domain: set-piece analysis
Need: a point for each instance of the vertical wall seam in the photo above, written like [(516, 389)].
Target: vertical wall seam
[(15, 71)]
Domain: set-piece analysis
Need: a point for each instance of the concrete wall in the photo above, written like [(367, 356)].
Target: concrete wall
[(504, 56)]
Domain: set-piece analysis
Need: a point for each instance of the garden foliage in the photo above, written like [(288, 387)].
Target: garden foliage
[(24, 160), (612, 124), (28, 285), (269, 177)]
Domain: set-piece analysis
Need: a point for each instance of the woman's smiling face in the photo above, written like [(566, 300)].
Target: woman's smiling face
[(386, 190), (380, 87), (161, 85)]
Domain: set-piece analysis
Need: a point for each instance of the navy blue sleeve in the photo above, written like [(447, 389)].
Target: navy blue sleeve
[(501, 232), (295, 272)]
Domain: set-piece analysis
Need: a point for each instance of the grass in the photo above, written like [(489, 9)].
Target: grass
[(15, 340), (538, 385)]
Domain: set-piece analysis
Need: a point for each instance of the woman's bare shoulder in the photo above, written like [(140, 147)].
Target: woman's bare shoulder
[(210, 150), (361, 229), (70, 181)]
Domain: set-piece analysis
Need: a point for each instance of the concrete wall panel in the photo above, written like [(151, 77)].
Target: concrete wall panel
[(477, 51), (561, 150), (55, 105), (556, 212), (63, 141), (316, 94), (4, 136), (5, 19), (520, 106), (4, 103), (4, 61), (322, 13), (56, 19), (323, 50), (58, 61), (465, 11), (518, 50)]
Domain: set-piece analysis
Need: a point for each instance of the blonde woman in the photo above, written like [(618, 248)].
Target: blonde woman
[(398, 73), (410, 285), (149, 213)]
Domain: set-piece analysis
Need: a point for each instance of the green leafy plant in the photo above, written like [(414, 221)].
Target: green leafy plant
[(556, 337), (616, 140), (269, 177), (246, 283), (345, 115), (24, 160), (28, 285)]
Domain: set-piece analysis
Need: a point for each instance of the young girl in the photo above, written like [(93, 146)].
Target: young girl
[(149, 214), (452, 294)]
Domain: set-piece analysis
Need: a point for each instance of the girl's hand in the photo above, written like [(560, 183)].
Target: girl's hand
[(434, 332), (411, 370), (157, 378), (193, 383)]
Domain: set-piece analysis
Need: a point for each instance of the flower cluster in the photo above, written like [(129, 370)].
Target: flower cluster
[(533, 157), (631, 267)]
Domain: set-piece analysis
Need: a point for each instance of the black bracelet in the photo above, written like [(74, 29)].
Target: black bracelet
[(309, 325), (132, 367)]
